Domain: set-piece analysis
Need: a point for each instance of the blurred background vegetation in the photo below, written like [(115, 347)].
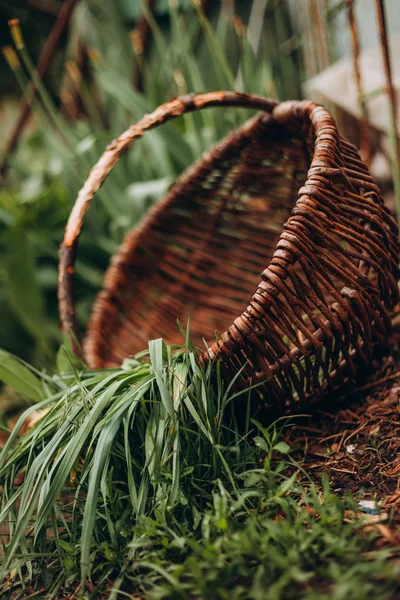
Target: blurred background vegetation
[(115, 62)]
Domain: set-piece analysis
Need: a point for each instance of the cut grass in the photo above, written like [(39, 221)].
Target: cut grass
[(138, 480)]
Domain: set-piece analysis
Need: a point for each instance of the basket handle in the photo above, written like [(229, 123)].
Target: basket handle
[(170, 110)]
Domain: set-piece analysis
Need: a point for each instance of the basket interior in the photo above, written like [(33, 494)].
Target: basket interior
[(201, 252)]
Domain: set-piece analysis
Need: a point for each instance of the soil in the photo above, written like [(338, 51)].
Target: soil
[(356, 445)]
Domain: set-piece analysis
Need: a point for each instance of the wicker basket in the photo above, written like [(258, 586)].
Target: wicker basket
[(283, 199)]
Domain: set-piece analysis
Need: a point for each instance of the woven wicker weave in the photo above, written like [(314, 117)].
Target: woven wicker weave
[(283, 199)]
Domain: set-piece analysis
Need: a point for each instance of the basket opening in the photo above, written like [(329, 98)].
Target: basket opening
[(201, 251)]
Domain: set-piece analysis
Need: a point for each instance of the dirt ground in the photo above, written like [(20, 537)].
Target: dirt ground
[(356, 444)]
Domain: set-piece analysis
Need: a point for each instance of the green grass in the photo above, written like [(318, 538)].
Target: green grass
[(140, 480)]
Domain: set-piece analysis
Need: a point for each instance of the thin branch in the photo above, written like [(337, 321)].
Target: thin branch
[(365, 134), (44, 62), (392, 129)]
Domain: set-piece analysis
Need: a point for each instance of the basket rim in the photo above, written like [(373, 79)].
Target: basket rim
[(325, 161), (114, 280), (97, 175)]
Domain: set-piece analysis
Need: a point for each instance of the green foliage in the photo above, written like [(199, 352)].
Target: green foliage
[(14, 373), (139, 480)]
